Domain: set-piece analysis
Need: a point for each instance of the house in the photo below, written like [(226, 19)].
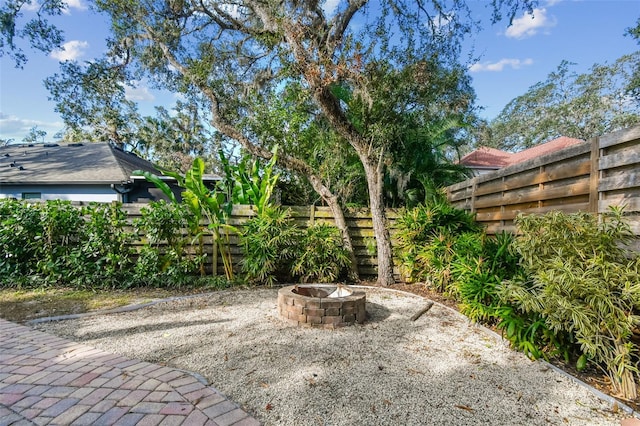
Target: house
[(84, 172), (484, 159)]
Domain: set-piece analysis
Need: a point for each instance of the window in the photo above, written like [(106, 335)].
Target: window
[(31, 195)]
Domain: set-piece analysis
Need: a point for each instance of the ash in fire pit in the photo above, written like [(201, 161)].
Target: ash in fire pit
[(322, 305)]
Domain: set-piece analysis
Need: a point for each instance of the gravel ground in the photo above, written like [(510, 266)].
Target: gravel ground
[(438, 370)]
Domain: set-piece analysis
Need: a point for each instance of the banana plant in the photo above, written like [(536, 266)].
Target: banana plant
[(247, 185), (203, 203)]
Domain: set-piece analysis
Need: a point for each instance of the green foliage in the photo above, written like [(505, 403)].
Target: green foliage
[(201, 203), (19, 226), (269, 244), (36, 31), (59, 244), (480, 264), (446, 248), (162, 224), (251, 184), (569, 104), (105, 251), (275, 249), (56, 243), (322, 257), (583, 282), (425, 238), (62, 228)]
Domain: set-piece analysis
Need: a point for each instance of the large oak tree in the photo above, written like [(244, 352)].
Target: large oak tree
[(232, 52), (241, 56)]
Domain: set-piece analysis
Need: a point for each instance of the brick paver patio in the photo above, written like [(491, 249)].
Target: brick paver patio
[(48, 380)]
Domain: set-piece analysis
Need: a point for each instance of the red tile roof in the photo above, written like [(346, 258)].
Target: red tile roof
[(544, 148), (485, 157)]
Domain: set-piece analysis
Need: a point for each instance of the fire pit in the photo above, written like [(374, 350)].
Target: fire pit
[(321, 305)]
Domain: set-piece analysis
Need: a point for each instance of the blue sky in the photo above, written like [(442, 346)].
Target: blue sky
[(585, 32)]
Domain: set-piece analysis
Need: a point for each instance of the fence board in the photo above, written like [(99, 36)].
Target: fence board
[(590, 177), (358, 220)]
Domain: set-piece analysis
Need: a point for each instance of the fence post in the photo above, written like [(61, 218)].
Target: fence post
[(594, 176), (312, 214)]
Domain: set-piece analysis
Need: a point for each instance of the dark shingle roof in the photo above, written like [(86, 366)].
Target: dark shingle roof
[(86, 163)]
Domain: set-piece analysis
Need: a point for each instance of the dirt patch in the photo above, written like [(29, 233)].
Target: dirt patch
[(24, 305)]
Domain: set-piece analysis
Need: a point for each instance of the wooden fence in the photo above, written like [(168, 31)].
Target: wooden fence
[(590, 177), (358, 221)]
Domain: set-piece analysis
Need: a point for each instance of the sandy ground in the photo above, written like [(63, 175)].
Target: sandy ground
[(438, 370)]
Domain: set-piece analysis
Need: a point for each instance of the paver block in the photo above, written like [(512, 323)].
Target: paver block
[(45, 403), (148, 407), (10, 398), (28, 413), (59, 391), (130, 419), (27, 401), (132, 398), (190, 388), (60, 407), (11, 418), (152, 420), (196, 418), (173, 421), (96, 396), (174, 408), (233, 416), (71, 414), (219, 409), (87, 419), (208, 401), (110, 417), (103, 406)]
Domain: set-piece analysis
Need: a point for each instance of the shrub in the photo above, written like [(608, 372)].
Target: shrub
[(321, 255), (269, 242), (479, 265), (167, 258), (425, 240), (20, 227), (582, 282)]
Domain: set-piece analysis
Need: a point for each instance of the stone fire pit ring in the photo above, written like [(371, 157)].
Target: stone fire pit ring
[(322, 305)]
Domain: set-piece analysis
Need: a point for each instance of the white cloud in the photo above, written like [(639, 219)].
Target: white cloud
[(70, 51), (500, 65), (329, 7), (74, 4), (140, 92), (530, 24), (12, 127), (35, 6)]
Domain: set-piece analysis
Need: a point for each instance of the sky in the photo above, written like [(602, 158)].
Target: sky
[(512, 59)]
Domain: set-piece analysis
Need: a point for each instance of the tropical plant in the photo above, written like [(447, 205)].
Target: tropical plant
[(202, 203), (321, 256), (166, 255), (425, 237), (480, 264), (251, 183), (270, 242), (582, 281)]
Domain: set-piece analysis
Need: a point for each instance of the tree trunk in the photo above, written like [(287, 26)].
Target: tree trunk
[(300, 166), (379, 219)]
